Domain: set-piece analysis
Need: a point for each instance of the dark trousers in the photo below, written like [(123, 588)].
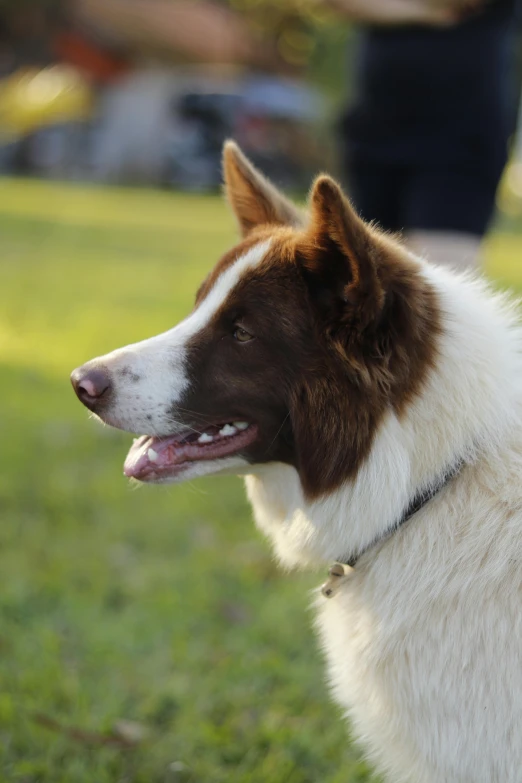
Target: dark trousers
[(426, 140)]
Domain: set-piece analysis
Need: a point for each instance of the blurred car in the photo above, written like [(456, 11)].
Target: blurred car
[(274, 120)]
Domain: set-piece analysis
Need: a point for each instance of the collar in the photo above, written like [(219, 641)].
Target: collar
[(342, 566)]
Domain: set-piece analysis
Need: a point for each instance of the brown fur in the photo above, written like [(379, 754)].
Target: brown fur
[(378, 321)]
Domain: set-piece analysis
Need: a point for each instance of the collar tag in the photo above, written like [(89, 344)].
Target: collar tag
[(337, 575)]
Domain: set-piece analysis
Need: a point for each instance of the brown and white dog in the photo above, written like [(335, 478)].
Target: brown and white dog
[(358, 387)]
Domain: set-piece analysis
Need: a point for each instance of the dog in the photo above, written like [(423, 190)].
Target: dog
[(373, 402)]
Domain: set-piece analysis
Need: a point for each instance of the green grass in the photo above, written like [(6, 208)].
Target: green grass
[(162, 605)]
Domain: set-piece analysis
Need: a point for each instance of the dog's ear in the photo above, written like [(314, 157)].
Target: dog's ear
[(339, 257), (341, 260), (254, 200)]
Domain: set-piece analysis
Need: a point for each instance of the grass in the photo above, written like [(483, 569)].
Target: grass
[(159, 606)]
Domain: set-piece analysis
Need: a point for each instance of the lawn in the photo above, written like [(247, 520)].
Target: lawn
[(159, 606)]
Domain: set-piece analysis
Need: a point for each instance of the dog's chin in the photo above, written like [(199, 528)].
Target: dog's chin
[(237, 466), (181, 457)]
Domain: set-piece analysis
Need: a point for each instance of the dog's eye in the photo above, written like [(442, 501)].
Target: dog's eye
[(241, 335)]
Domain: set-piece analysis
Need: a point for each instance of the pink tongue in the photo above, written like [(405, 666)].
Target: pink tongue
[(138, 460)]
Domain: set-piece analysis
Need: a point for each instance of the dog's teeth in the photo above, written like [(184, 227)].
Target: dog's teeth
[(205, 438), (227, 431), (240, 425), (152, 455)]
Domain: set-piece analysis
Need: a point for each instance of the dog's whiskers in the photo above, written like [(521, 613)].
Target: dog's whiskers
[(197, 415)]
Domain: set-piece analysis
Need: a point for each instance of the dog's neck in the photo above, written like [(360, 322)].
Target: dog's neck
[(417, 503), (467, 403), (344, 524)]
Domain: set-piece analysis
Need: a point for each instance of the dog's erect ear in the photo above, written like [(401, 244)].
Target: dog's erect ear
[(343, 263), (253, 198), (339, 256)]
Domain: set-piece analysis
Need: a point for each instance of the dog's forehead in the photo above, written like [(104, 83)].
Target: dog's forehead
[(229, 260), (261, 248), (232, 269)]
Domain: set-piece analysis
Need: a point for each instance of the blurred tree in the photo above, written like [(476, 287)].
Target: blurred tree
[(308, 37)]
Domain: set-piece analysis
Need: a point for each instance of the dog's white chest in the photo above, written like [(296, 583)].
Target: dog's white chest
[(363, 676)]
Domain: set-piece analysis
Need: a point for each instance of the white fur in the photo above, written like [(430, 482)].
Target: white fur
[(424, 640), (149, 378)]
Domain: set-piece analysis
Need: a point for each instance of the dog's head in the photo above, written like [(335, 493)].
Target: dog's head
[(301, 337)]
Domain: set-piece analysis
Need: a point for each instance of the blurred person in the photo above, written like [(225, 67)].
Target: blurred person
[(425, 142), (196, 30)]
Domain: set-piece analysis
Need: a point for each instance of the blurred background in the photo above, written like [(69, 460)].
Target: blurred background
[(146, 635), (145, 91)]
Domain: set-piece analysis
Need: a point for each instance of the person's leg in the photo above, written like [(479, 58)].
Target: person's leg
[(376, 189), (447, 213), (457, 250)]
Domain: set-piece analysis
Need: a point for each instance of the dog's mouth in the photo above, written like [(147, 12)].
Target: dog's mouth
[(153, 458)]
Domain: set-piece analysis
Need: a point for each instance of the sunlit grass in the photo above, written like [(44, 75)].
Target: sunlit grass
[(160, 606)]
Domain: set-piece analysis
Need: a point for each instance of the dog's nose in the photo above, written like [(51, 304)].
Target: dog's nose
[(90, 385)]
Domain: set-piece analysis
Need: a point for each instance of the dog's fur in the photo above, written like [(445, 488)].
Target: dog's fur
[(371, 375)]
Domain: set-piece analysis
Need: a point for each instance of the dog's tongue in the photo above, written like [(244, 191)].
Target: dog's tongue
[(147, 453), (150, 457)]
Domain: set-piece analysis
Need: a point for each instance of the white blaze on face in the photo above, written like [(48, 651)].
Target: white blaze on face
[(150, 377)]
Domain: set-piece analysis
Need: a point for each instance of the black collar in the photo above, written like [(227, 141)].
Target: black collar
[(418, 502)]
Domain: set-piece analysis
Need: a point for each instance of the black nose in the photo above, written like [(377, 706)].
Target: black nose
[(91, 385)]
